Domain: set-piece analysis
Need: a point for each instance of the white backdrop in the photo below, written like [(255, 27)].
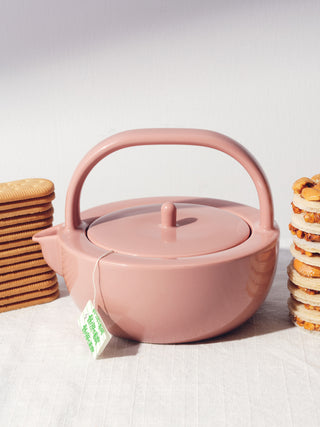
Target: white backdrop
[(73, 73)]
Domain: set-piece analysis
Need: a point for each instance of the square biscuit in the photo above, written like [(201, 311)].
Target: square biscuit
[(20, 251), (18, 244), (18, 228), (29, 295), (17, 259), (44, 284), (28, 210), (28, 303), (23, 235), (26, 219), (20, 266), (27, 203), (29, 272), (29, 280), (24, 189)]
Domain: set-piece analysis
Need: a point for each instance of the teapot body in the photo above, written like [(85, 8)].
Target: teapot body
[(171, 300)]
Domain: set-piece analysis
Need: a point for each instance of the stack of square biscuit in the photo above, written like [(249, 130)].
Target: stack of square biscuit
[(25, 278), (304, 269)]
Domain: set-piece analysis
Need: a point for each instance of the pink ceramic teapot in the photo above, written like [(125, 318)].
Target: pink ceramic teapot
[(172, 269)]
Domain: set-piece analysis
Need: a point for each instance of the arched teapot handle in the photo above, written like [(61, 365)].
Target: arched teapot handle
[(204, 138)]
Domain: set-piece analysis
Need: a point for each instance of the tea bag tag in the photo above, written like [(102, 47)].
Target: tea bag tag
[(94, 330), (90, 322)]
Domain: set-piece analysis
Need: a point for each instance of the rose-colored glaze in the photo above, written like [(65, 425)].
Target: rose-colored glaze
[(168, 215), (199, 230), (204, 138), (167, 300)]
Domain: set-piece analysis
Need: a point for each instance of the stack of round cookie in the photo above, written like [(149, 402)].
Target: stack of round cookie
[(25, 278), (304, 269)]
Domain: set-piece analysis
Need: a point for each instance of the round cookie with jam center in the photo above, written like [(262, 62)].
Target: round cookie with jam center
[(305, 296), (298, 279), (304, 317), (306, 257), (306, 270), (307, 246), (305, 221)]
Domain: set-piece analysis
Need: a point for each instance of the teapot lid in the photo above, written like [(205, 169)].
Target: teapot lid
[(170, 230)]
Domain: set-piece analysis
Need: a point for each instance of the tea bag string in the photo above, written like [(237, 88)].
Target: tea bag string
[(93, 276)]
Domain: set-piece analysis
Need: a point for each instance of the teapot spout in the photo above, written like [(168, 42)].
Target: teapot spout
[(50, 245)]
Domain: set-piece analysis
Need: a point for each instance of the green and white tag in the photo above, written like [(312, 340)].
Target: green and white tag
[(94, 330)]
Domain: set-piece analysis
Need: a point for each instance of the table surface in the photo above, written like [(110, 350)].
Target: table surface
[(265, 373)]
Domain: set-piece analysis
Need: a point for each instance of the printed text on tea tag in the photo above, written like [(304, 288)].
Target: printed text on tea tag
[(94, 330)]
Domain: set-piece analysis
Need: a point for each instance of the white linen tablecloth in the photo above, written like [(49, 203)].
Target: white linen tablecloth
[(265, 373)]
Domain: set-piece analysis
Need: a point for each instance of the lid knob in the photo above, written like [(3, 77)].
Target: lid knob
[(168, 215)]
